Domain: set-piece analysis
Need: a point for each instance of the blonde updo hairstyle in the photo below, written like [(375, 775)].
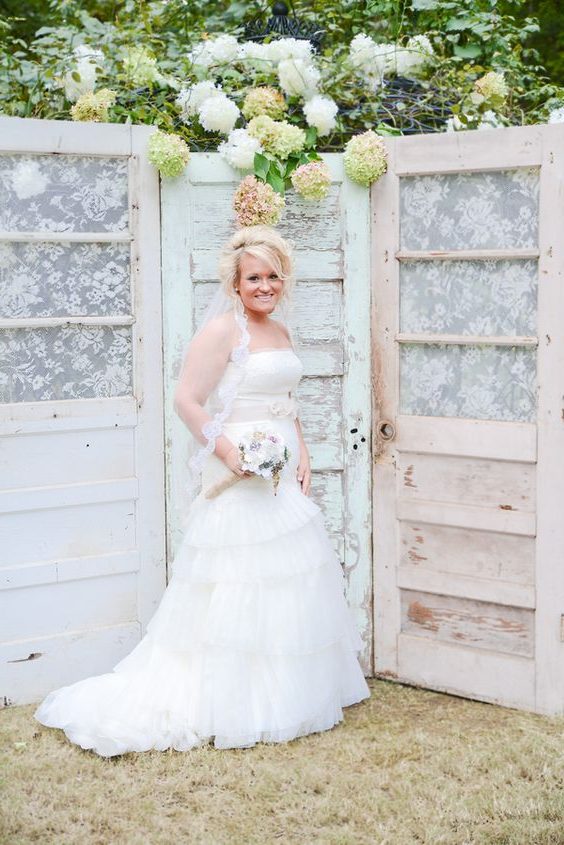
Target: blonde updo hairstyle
[(262, 242)]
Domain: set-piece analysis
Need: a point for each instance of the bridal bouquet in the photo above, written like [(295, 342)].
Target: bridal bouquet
[(263, 453)]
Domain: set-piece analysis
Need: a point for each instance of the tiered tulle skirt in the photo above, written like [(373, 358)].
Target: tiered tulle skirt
[(252, 641)]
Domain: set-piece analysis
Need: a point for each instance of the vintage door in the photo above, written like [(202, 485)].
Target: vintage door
[(82, 560), (332, 303), (468, 340)]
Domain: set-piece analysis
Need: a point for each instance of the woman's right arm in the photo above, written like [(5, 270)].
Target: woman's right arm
[(204, 363)]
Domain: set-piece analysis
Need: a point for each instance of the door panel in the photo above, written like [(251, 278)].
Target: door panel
[(82, 564), (467, 277), (331, 326)]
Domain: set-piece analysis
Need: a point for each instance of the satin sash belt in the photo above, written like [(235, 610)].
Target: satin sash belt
[(246, 411)]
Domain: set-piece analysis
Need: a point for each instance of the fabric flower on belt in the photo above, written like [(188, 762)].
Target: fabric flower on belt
[(283, 407)]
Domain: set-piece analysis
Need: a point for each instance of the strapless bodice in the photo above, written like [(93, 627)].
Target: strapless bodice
[(270, 376)]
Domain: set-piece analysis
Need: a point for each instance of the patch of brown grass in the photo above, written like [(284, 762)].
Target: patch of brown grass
[(407, 766)]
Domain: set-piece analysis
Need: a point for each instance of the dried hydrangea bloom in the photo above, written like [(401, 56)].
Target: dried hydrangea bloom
[(256, 202), (264, 100), (312, 180)]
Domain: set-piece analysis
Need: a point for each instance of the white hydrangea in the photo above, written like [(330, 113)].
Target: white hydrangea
[(256, 54), (239, 149), (86, 60), (215, 51), (297, 77), (556, 115), (411, 59), (85, 51), (320, 112), (361, 50), (376, 60), (223, 48), (490, 120), (28, 180), (290, 48), (190, 99), (454, 124), (373, 59), (421, 43), (218, 114), (201, 55)]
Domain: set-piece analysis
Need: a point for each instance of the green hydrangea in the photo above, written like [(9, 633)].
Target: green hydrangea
[(94, 105), (264, 100), (141, 67), (490, 88), (365, 158), (312, 180), (277, 136), (169, 153)]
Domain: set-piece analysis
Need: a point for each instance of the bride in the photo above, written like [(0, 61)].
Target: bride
[(253, 640)]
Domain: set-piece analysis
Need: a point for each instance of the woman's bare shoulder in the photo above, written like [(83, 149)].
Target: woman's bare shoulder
[(281, 327), (219, 329)]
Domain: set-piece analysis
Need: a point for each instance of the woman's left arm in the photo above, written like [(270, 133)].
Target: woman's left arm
[(304, 466)]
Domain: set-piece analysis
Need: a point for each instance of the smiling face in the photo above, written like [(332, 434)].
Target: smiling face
[(259, 286)]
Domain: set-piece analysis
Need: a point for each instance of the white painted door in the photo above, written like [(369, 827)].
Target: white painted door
[(332, 303), (468, 344), (82, 560)]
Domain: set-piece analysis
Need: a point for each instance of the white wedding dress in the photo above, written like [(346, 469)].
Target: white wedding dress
[(253, 639)]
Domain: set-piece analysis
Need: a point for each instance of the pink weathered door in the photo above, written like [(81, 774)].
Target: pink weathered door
[(468, 446)]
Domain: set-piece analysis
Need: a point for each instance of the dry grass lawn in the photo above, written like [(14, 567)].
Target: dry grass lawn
[(407, 766)]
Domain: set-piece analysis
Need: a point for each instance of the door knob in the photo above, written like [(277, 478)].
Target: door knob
[(386, 430)]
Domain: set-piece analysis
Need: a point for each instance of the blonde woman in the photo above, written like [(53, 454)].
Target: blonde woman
[(253, 640)]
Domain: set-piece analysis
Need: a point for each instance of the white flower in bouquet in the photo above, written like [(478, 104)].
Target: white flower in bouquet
[(190, 99), (86, 66), (297, 77), (264, 453), (218, 114), (28, 180), (320, 112), (239, 149), (290, 48)]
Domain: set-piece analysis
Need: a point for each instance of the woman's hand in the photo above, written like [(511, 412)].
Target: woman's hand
[(232, 462), (304, 470)]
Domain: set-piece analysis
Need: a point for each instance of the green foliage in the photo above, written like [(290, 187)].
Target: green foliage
[(469, 37)]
